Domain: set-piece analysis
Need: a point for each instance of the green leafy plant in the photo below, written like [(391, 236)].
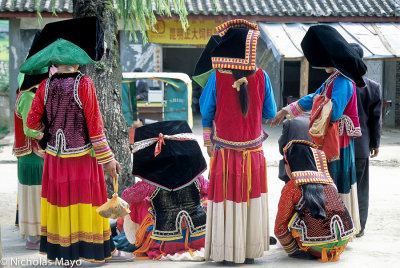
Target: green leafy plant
[(140, 15)]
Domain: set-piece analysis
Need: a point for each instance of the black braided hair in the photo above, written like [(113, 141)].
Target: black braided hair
[(243, 93), (314, 198)]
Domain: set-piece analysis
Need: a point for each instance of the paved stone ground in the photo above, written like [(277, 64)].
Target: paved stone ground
[(380, 247)]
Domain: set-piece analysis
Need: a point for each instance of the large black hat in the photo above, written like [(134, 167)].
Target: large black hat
[(203, 66), (75, 41), (324, 47), (167, 155), (237, 49)]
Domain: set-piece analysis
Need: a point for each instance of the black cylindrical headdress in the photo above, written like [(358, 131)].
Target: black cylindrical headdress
[(324, 47), (167, 155), (69, 42), (237, 49)]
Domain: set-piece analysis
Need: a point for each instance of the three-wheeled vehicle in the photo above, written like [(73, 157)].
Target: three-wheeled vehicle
[(169, 97)]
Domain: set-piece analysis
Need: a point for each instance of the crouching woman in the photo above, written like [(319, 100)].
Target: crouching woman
[(312, 221)]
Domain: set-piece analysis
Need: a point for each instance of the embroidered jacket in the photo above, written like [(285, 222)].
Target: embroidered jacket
[(25, 141), (170, 209), (292, 213), (69, 102)]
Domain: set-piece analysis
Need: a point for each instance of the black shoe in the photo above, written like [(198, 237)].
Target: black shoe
[(361, 233), (272, 240), (249, 261), (228, 263)]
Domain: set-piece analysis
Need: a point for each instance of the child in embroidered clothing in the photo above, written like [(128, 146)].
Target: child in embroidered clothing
[(312, 221), (167, 219)]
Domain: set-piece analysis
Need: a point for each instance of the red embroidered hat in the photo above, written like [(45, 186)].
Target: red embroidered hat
[(237, 49)]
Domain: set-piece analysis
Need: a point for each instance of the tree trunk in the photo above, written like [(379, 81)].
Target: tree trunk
[(107, 78)]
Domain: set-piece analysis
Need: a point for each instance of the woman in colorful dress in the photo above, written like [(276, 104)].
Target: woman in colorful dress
[(325, 48), (73, 184), (312, 221), (168, 218), (237, 99), (30, 163)]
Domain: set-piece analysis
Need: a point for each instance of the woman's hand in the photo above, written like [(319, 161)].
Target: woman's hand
[(278, 118), (112, 168), (40, 136), (210, 151)]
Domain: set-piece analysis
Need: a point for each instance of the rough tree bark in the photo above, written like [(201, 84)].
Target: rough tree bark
[(107, 78)]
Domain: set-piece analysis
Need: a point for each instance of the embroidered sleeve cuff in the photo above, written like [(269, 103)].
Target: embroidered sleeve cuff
[(294, 110), (207, 136), (288, 243), (101, 149)]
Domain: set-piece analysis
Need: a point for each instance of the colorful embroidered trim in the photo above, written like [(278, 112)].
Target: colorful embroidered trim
[(294, 109), (207, 136), (101, 149), (160, 140), (288, 243), (309, 143), (75, 237), (351, 130), (60, 146), (238, 144), (238, 23), (308, 176), (24, 150), (248, 63), (298, 224), (304, 177), (177, 233)]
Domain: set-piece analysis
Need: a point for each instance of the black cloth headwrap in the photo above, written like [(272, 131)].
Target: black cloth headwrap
[(300, 158), (358, 49), (31, 80), (232, 45), (179, 162), (204, 63), (78, 31), (324, 47)]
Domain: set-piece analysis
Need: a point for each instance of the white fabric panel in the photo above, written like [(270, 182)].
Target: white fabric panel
[(237, 231), (29, 209), (350, 200), (130, 229)]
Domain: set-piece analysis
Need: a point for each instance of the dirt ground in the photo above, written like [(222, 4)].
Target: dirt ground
[(380, 246)]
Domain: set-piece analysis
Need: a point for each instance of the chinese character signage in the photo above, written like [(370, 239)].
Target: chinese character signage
[(171, 32)]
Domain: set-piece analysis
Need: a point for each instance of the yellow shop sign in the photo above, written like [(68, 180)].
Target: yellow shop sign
[(171, 32)]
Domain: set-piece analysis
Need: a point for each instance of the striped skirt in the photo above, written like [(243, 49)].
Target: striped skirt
[(237, 209), (30, 168), (71, 229), (343, 173)]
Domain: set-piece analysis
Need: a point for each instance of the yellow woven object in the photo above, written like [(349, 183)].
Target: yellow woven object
[(115, 207)]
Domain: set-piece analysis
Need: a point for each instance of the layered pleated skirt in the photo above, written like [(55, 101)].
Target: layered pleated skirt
[(237, 209), (71, 229), (138, 227), (343, 173), (30, 168)]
